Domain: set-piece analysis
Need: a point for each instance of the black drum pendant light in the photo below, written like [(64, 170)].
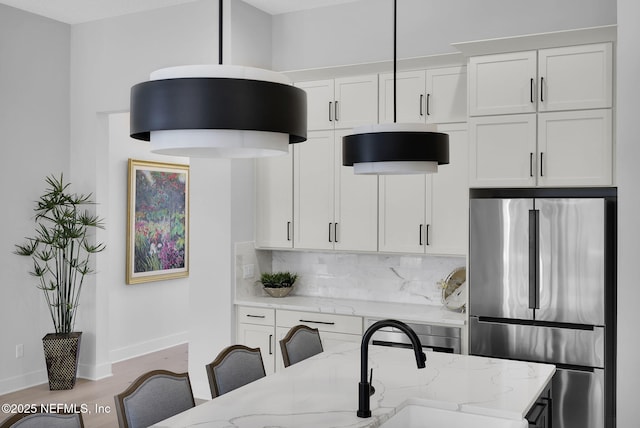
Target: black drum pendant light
[(218, 111), (395, 148)]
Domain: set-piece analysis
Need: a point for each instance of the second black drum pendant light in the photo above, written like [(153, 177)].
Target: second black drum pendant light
[(395, 148), (222, 111)]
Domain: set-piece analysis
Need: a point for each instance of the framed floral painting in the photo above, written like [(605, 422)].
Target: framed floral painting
[(157, 221)]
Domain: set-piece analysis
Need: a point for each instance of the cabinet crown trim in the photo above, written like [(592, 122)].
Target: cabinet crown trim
[(581, 36)]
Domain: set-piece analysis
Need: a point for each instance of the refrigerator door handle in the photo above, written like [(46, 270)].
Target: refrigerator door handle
[(534, 280)]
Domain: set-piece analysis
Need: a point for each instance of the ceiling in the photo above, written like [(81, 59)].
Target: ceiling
[(78, 11)]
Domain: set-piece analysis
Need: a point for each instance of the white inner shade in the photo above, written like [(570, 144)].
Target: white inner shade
[(395, 168), (219, 143)]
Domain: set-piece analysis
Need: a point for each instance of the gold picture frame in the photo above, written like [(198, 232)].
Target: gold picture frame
[(157, 221)]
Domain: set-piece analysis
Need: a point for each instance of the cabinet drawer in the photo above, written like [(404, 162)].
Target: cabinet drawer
[(323, 322), (260, 316)]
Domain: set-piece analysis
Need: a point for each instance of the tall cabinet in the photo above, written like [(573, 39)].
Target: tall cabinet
[(542, 118), (274, 201), (427, 214), (333, 208)]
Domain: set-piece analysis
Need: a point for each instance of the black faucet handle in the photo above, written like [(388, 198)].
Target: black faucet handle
[(372, 390)]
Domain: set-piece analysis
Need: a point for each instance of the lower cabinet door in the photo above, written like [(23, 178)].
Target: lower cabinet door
[(259, 336)]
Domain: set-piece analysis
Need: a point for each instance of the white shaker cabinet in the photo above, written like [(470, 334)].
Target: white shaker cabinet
[(402, 213), (256, 329), (502, 83), (333, 208), (425, 96), (502, 151), (449, 197), (575, 147), (576, 77), (274, 201), (427, 214), (341, 103), (567, 78), (566, 137)]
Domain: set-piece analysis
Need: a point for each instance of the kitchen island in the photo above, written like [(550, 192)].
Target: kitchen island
[(322, 391)]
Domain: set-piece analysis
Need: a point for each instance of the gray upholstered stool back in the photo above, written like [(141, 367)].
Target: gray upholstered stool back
[(44, 420), (154, 396), (235, 366), (300, 343)]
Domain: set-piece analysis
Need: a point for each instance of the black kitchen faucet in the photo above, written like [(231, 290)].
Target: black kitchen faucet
[(364, 387)]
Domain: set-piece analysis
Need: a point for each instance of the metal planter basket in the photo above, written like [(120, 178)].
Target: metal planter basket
[(61, 353)]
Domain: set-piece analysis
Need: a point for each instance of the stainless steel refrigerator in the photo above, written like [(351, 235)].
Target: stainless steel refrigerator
[(542, 287)]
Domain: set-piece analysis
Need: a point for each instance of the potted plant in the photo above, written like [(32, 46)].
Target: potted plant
[(278, 284), (60, 250)]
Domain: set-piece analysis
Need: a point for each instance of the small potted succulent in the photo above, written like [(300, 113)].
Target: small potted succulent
[(278, 284)]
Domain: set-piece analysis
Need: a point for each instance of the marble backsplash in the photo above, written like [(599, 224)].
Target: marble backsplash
[(378, 277)]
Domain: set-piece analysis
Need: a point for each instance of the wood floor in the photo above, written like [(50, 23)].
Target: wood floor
[(99, 394)]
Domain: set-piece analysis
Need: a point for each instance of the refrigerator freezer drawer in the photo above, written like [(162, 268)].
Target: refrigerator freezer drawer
[(578, 399), (537, 343)]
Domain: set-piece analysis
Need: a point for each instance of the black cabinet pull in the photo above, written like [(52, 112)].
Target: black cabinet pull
[(541, 164), (428, 99), (335, 232), (330, 111), (421, 99), (270, 340), (427, 237), (318, 322), (542, 89), (531, 90), (330, 232), (255, 316), (530, 164), (420, 232), (336, 112), (288, 231)]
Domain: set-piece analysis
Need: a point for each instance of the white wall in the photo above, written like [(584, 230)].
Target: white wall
[(34, 131), (363, 31), (628, 153), (148, 316)]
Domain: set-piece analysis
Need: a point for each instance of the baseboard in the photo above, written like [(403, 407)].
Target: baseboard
[(94, 372), (143, 348), (23, 381)]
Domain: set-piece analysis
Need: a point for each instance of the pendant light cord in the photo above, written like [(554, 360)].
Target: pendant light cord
[(395, 19), (220, 32)]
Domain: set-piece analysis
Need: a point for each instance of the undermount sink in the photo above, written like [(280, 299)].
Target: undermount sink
[(421, 416)]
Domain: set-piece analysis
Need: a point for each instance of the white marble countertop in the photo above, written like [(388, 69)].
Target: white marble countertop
[(429, 314), (322, 390)]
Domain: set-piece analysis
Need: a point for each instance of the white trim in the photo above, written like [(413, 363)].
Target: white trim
[(147, 347)]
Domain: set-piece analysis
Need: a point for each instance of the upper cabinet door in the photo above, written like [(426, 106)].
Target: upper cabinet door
[(274, 201), (320, 104), (445, 100), (502, 83), (502, 151), (356, 206), (410, 97), (575, 148), (448, 204), (577, 77), (402, 226), (313, 191), (356, 101)]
